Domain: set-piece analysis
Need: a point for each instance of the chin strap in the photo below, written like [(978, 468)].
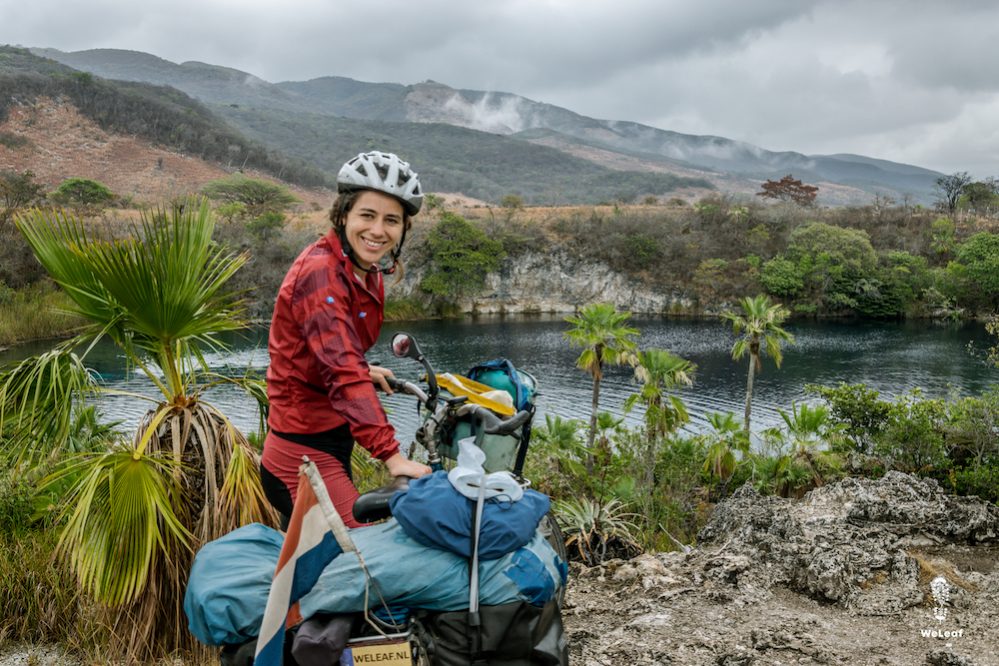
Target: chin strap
[(349, 251)]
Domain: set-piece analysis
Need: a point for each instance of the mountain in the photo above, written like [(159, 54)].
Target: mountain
[(161, 115), (620, 147)]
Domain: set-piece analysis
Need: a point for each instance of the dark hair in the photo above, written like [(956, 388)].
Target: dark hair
[(344, 202)]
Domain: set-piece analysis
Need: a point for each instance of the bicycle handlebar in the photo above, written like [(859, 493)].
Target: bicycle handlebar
[(493, 424), (407, 387)]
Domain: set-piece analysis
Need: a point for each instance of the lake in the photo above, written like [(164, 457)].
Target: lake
[(890, 357)]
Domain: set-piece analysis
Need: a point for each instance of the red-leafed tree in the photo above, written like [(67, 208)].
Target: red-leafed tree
[(789, 188)]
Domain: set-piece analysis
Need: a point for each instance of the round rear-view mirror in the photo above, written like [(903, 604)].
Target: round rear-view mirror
[(402, 345)]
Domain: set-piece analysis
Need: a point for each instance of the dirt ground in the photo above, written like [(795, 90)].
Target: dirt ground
[(862, 572), (844, 576)]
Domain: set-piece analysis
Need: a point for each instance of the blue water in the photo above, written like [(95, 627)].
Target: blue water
[(892, 358)]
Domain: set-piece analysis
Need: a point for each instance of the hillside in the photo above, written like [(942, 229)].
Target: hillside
[(476, 164), (724, 164), (160, 115), (453, 159), (58, 142)]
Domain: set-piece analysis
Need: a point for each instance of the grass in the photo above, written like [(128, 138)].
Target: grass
[(34, 313), (405, 309), (40, 599)]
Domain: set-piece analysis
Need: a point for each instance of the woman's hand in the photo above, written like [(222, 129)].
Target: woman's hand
[(379, 375), (400, 465)]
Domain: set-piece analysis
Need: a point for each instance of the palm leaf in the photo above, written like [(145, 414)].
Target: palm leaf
[(37, 399), (121, 522)]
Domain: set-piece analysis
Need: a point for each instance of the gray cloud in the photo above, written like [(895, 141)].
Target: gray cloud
[(907, 80)]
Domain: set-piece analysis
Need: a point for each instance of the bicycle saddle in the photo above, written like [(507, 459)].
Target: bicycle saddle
[(374, 504)]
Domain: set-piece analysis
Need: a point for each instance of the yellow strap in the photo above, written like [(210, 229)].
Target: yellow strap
[(458, 385)]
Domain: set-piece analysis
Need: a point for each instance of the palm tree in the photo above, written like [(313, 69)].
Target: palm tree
[(136, 512), (605, 339), (809, 426), (659, 371), (726, 438), (759, 329)]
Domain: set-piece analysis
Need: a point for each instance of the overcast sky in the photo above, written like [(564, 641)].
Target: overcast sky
[(913, 81)]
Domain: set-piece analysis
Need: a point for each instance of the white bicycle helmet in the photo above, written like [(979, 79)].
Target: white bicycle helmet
[(383, 172)]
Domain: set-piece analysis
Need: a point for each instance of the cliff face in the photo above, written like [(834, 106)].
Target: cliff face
[(555, 282)]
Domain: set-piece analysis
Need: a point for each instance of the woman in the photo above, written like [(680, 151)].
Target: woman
[(327, 315)]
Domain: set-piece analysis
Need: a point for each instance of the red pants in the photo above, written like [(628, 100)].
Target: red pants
[(331, 454)]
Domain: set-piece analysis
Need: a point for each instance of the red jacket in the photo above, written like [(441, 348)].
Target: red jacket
[(325, 319)]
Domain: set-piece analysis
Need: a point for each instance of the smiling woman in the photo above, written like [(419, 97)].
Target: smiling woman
[(328, 314)]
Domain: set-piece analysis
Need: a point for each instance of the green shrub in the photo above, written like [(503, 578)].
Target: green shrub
[(266, 225), (781, 277), (981, 481), (460, 257), (82, 192), (912, 439), (858, 408)]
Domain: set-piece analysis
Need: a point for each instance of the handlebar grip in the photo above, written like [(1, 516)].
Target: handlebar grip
[(396, 384)]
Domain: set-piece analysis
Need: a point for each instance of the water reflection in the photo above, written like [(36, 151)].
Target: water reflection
[(892, 358)]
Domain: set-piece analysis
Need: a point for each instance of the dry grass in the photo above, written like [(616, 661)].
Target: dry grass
[(932, 567), (35, 313)]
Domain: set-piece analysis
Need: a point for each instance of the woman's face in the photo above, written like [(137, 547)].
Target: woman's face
[(373, 226)]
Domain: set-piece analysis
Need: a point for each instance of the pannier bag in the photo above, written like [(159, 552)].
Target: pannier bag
[(514, 634)]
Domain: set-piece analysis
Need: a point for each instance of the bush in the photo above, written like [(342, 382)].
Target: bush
[(781, 277), (82, 192), (912, 439), (460, 257), (257, 196), (859, 409), (981, 481)]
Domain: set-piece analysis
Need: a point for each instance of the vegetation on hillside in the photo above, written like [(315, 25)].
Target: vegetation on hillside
[(160, 114), (453, 159)]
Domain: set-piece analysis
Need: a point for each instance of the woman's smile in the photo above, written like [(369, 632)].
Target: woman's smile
[(374, 226)]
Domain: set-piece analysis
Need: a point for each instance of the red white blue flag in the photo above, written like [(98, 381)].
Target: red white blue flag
[(316, 534)]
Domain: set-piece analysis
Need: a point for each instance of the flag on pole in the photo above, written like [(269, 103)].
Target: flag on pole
[(316, 534)]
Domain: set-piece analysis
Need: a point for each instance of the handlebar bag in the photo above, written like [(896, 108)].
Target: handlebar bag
[(500, 450), (501, 374)]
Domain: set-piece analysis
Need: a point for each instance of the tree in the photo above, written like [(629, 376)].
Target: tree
[(759, 331), (461, 255), (981, 197), (789, 188), (136, 513), (831, 261), (601, 331), (949, 189), (976, 270), (17, 190), (82, 192), (659, 371), (258, 196), (512, 201)]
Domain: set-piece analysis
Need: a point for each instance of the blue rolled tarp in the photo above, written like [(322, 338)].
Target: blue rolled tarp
[(231, 576)]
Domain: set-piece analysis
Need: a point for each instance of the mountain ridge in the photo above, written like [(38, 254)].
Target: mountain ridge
[(729, 165)]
